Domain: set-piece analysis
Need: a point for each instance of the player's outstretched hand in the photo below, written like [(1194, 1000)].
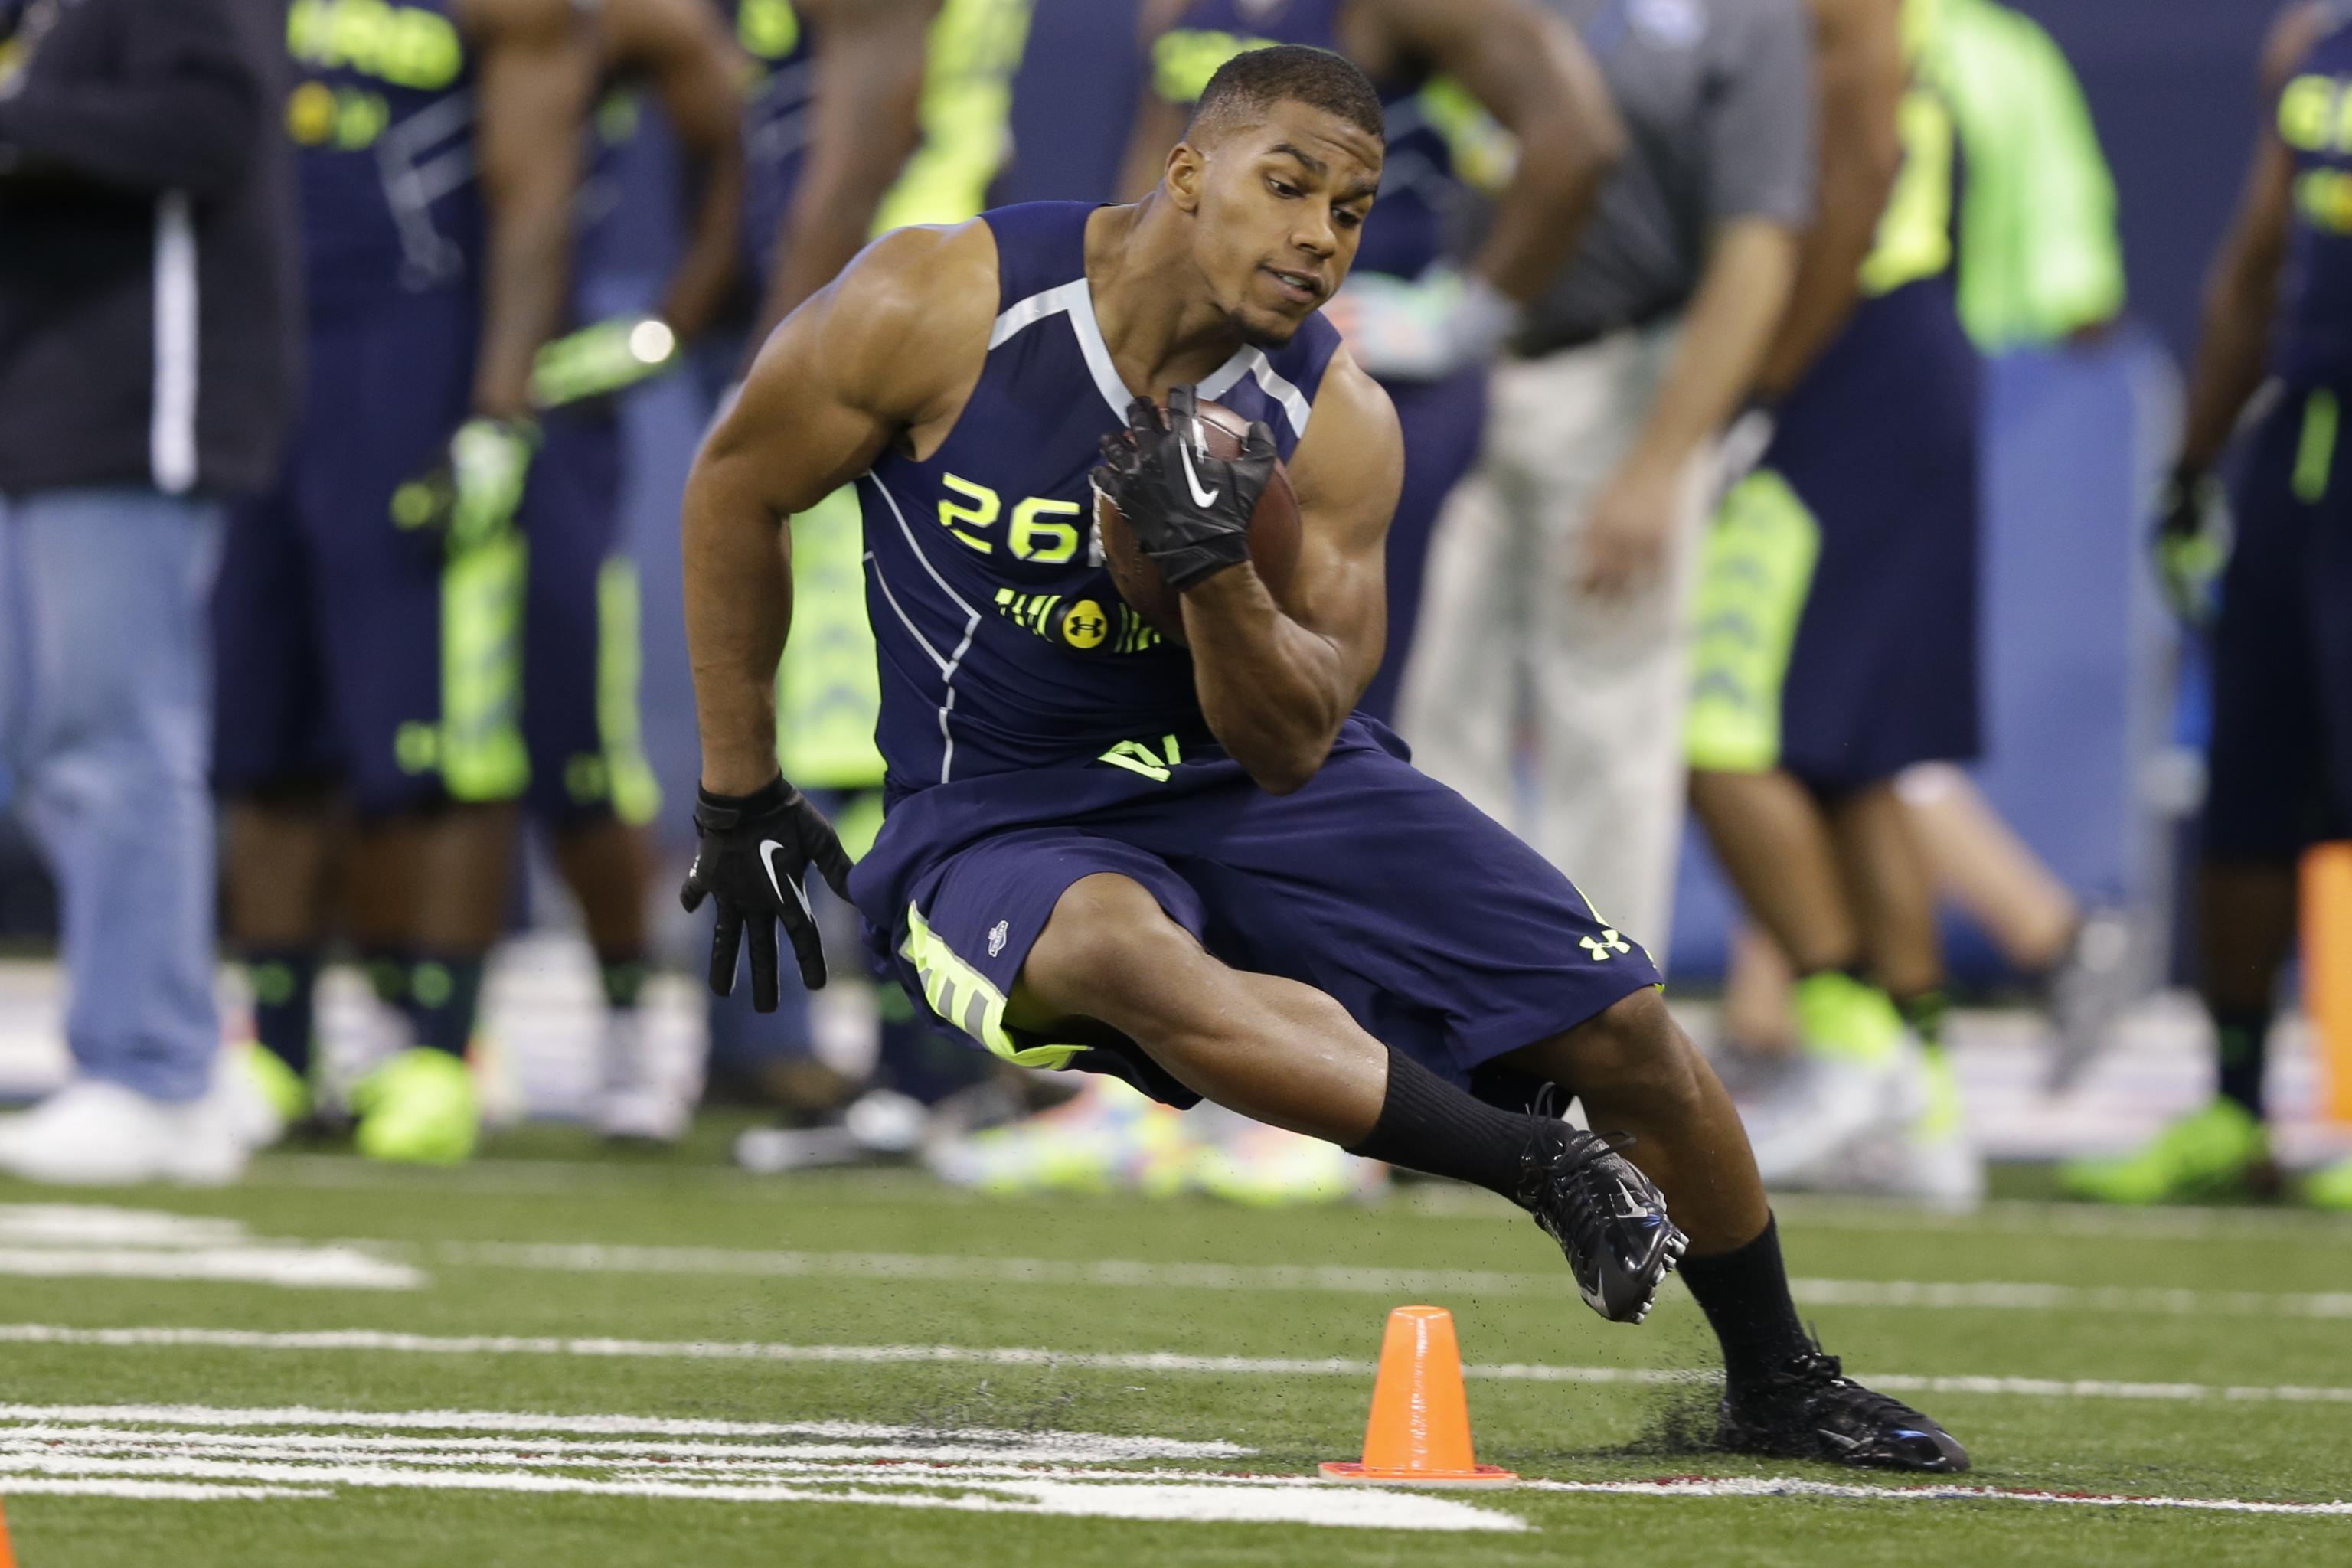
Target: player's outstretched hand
[(754, 864), (2192, 543), (1190, 513)]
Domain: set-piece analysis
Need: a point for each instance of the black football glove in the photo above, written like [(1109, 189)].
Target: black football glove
[(1190, 513), (2194, 536), (754, 859)]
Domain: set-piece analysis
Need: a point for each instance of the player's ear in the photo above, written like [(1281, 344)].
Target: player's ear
[(1187, 171)]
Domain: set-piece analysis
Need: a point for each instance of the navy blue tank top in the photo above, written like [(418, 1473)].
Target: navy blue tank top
[(777, 121), (1409, 225), (1002, 644), (2312, 340), (383, 112)]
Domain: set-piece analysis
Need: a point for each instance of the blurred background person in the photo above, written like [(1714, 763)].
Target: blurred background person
[(2277, 351), (369, 618), (2039, 265), (1837, 620), (591, 788), (1557, 613), (149, 350)]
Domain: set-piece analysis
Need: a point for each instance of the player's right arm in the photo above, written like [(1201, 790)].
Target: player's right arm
[(886, 353), (1858, 63), (2241, 290)]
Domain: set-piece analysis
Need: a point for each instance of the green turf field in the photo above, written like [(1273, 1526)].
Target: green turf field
[(563, 1357)]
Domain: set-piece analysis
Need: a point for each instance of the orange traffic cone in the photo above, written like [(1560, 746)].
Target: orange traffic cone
[(1419, 1430), (7, 1557)]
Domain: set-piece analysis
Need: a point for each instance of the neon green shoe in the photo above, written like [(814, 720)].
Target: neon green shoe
[(419, 1109), (1265, 1167), (2331, 1187), (1109, 1138), (282, 1091), (2204, 1154)]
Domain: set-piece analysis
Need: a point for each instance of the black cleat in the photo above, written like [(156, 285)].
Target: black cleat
[(1807, 1408), (1609, 1218)]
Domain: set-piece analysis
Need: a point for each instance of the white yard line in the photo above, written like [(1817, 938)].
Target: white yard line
[(1135, 1274), (372, 1341), (296, 1268), (143, 1492), (1750, 1486)]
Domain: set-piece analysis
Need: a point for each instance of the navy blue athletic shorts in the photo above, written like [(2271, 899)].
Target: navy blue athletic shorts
[(1442, 423), (1837, 612), (582, 652), (345, 649), (2279, 760), (1441, 934)]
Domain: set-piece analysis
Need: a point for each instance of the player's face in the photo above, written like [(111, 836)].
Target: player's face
[(1281, 205)]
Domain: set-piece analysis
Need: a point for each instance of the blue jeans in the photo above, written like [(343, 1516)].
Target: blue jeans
[(105, 700)]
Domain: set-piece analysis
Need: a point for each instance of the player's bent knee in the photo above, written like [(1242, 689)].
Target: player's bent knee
[(1632, 1049), (1108, 938)]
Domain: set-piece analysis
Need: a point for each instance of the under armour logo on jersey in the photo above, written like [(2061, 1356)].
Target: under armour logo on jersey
[(1605, 946), (997, 936)]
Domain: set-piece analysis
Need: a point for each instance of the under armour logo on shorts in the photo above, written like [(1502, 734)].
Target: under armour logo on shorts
[(1605, 946), (996, 938)]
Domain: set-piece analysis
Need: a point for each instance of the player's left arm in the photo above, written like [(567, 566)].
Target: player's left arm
[(1276, 684), (1527, 69), (680, 51), (538, 71)]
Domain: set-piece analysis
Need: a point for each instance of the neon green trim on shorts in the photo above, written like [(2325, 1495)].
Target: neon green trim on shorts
[(1755, 576), (963, 996), (482, 757), (629, 777), (2315, 455)]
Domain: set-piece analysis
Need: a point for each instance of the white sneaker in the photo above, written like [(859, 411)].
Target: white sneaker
[(633, 1102), (1819, 1113), (95, 1133)]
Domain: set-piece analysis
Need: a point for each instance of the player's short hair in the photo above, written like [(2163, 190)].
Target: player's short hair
[(1257, 80)]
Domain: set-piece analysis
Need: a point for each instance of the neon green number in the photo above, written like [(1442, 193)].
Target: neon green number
[(1138, 757), (982, 513), (1036, 538)]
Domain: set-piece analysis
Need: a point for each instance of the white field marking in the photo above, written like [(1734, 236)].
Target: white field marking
[(71, 1241), (374, 1341), (65, 1448), (1132, 1274), (993, 1441), (145, 1491), (1743, 1486)]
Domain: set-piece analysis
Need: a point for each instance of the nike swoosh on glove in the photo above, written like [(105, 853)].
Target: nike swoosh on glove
[(1190, 513), (752, 863)]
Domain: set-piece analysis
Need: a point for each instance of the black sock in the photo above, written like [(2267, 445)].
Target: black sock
[(1745, 1295), (2243, 1035), (443, 996), (1427, 1124), (1925, 1014), (624, 978), (387, 975), (284, 983)]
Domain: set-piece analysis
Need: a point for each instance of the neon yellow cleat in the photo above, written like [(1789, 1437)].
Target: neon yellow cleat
[(280, 1089), (2206, 1153), (1265, 1167), (1108, 1139), (2330, 1187), (419, 1109)]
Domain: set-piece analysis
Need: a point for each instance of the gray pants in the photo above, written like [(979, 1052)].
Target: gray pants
[(1509, 640), (105, 715)]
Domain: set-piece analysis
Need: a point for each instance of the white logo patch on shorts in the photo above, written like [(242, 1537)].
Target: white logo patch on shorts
[(997, 936)]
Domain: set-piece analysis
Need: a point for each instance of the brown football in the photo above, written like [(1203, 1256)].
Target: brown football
[(1272, 536)]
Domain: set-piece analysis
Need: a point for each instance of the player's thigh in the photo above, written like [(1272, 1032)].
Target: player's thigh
[(2264, 754), (269, 709), (1441, 932), (579, 643)]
